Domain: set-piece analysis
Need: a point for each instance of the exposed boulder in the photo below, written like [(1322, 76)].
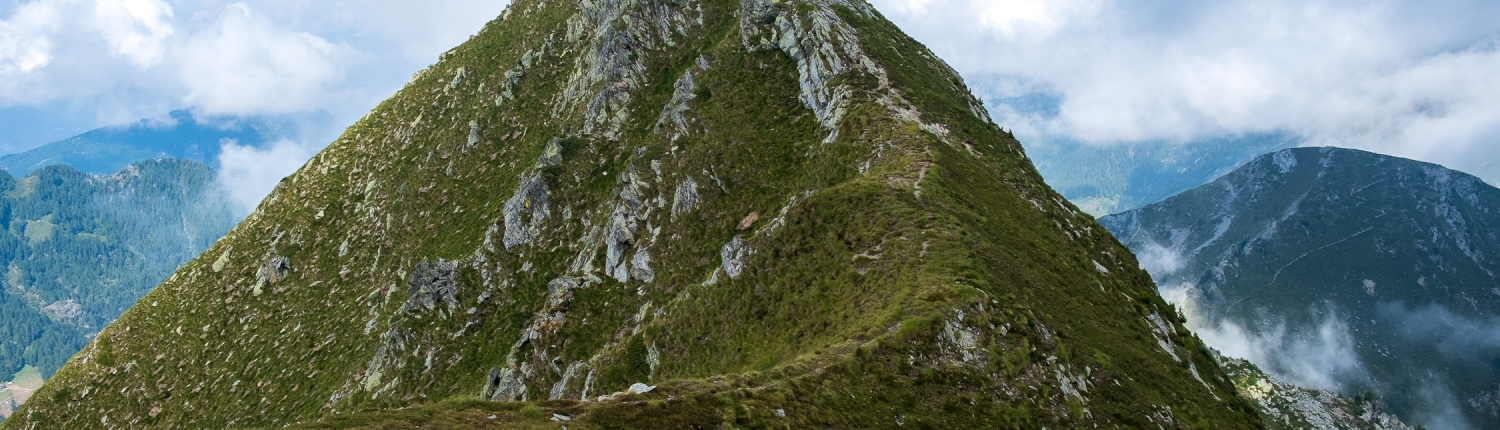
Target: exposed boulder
[(733, 256), (504, 385), (432, 283), (272, 272)]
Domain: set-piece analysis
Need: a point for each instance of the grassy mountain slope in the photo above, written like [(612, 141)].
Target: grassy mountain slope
[(774, 213), (1396, 255)]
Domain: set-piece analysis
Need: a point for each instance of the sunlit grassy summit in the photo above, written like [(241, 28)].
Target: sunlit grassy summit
[(691, 213)]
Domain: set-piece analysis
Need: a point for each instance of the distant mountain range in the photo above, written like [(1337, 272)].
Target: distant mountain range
[(1366, 272), (179, 134), (1107, 179)]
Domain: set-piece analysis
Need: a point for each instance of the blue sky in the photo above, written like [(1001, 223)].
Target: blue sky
[(1408, 78)]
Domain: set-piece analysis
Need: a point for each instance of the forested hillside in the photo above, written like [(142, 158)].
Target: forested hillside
[(77, 250)]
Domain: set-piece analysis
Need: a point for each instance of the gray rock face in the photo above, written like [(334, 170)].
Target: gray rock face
[(672, 116), (560, 388), (560, 290), (526, 211), (619, 240), (1291, 406), (551, 154), (504, 385), (624, 220), (824, 46), (685, 199), (815, 44), (733, 255), (474, 136), (274, 270), (271, 272), (432, 283), (620, 35), (640, 266)]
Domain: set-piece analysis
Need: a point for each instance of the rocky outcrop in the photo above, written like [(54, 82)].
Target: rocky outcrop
[(628, 215), (618, 35), (432, 283), (1284, 405), (732, 256), (673, 115), (822, 45), (271, 272), (526, 211), (504, 385), (686, 197)]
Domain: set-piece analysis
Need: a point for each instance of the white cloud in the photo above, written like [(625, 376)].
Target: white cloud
[(1159, 260), (247, 174), (128, 59), (247, 65), (24, 45), (64, 49), (135, 29), (1413, 79), (1322, 357), (1031, 20)]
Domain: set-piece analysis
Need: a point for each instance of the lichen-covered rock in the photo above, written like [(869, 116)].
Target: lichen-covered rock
[(504, 385), (686, 197), (673, 114), (271, 272), (624, 221), (1162, 331), (552, 154), (432, 283), (222, 261), (526, 211), (1288, 406), (619, 35), (640, 266), (560, 290), (474, 136), (733, 256)]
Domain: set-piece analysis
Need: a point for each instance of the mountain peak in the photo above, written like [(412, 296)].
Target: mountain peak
[(1383, 264), (754, 212)]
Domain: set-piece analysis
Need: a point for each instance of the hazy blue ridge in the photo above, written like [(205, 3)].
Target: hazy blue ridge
[(24, 127), (1107, 179), (179, 134), (1342, 269)]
